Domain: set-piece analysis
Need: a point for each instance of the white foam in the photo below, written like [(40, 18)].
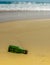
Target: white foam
[(26, 6)]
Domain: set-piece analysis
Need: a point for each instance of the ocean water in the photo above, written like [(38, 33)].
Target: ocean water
[(26, 5)]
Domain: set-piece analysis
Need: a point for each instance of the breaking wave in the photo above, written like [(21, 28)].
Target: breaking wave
[(28, 6)]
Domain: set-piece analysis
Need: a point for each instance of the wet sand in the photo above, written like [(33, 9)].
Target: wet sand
[(23, 15), (33, 35)]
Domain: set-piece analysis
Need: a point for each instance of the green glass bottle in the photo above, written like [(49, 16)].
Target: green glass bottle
[(16, 49)]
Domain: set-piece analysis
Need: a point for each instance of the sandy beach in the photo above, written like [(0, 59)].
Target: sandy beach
[(33, 35)]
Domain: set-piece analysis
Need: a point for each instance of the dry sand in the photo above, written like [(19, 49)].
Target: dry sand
[(33, 35)]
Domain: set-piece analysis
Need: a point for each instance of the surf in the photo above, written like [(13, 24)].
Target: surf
[(26, 6)]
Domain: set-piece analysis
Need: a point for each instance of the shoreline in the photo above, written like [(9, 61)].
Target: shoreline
[(23, 15), (24, 20)]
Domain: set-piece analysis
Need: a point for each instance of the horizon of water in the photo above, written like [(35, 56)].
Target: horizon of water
[(25, 5)]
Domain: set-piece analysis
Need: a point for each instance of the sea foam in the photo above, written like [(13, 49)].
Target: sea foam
[(27, 6)]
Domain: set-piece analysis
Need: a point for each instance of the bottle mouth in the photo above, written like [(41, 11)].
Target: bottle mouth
[(25, 52)]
